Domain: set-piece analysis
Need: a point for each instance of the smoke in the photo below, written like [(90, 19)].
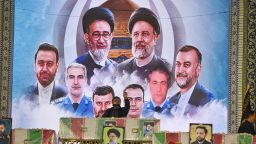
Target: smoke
[(26, 115), (214, 113)]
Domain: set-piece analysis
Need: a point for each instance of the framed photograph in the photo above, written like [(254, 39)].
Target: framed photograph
[(5, 130), (113, 135), (148, 129), (200, 133)]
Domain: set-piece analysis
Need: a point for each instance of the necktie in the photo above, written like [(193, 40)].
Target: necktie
[(158, 109), (75, 105)]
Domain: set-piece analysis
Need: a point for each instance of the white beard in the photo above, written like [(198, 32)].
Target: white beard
[(99, 54), (143, 53)]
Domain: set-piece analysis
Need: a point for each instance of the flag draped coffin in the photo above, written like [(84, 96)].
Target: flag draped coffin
[(33, 136), (92, 129), (238, 138), (80, 128)]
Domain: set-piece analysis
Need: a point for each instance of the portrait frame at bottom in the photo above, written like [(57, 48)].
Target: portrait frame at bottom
[(203, 130), (113, 135), (5, 130), (148, 129)]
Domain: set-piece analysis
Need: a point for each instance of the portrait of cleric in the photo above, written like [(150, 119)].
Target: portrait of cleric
[(145, 30), (98, 25), (5, 131), (113, 135), (148, 129), (192, 94)]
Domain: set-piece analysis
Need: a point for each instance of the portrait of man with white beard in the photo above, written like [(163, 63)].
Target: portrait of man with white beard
[(144, 28), (98, 25)]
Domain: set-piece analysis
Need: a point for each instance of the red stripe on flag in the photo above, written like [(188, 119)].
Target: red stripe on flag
[(217, 138), (120, 122), (13, 136), (172, 138), (48, 136)]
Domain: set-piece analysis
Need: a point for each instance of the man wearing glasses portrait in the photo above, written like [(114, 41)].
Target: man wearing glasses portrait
[(98, 25)]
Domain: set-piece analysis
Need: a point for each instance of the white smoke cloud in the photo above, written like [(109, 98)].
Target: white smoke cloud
[(47, 116), (214, 113)]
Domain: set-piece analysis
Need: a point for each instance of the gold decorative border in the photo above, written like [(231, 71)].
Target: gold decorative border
[(6, 57), (251, 52), (241, 57)]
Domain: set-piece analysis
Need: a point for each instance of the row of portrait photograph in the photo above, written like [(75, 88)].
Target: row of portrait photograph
[(113, 134)]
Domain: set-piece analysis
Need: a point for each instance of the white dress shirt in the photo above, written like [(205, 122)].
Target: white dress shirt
[(183, 101), (45, 93)]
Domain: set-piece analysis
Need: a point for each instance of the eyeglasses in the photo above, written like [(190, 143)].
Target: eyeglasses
[(105, 35)]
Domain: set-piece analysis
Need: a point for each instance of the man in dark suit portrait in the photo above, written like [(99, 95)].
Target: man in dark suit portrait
[(45, 90), (192, 94), (201, 133), (144, 28), (98, 25)]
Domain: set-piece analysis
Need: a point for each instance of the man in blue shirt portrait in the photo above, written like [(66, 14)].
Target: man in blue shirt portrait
[(159, 81), (76, 102)]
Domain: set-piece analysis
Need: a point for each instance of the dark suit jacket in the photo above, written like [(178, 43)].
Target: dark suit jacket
[(130, 66), (90, 65), (122, 111), (200, 96), (31, 93), (205, 142)]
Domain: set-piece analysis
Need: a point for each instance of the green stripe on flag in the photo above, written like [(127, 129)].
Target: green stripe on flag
[(65, 128), (34, 136), (244, 139), (99, 128), (159, 138)]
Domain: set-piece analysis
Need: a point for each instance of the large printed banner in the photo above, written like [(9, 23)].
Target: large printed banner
[(169, 56)]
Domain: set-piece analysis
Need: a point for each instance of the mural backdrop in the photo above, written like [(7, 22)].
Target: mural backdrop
[(201, 23)]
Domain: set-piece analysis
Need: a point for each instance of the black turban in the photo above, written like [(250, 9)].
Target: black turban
[(115, 131), (144, 14), (98, 13)]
